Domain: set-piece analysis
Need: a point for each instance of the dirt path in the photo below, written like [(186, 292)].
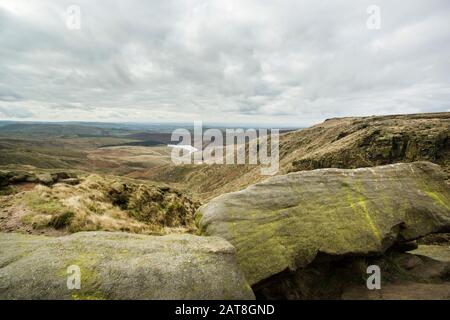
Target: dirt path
[(12, 213)]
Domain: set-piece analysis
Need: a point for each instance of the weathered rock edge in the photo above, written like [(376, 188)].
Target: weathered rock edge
[(120, 266), (284, 222)]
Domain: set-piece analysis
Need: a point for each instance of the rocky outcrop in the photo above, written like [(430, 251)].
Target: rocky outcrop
[(12, 177), (371, 141), (405, 276), (287, 222), (402, 276), (120, 266)]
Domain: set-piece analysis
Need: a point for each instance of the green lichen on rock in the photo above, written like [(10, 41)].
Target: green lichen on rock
[(120, 266), (285, 221)]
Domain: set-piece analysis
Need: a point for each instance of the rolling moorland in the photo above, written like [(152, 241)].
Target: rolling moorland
[(59, 180)]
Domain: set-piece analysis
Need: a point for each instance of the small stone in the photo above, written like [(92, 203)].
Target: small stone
[(45, 178), (70, 181)]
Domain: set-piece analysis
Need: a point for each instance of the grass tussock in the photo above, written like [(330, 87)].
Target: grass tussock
[(100, 203)]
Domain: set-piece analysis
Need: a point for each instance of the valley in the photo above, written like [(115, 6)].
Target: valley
[(350, 192)]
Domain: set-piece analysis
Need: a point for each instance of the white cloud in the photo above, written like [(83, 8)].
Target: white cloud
[(283, 62)]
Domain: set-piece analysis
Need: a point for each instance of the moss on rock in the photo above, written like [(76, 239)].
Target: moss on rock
[(284, 222), (120, 266)]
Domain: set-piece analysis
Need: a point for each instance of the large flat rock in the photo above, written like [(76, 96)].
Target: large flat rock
[(120, 266), (284, 222)]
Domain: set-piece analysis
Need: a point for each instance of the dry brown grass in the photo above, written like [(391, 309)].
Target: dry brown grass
[(105, 203)]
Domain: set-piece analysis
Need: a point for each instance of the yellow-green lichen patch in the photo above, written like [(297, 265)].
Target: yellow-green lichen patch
[(438, 198), (93, 296), (285, 221)]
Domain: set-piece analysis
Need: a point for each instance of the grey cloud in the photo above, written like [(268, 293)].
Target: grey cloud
[(17, 112), (8, 95), (290, 61)]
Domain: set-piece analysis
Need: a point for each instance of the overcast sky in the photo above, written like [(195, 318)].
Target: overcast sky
[(279, 62)]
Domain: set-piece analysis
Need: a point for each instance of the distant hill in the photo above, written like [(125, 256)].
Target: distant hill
[(67, 145), (61, 130), (351, 142)]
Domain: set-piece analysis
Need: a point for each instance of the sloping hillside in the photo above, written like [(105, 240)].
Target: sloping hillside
[(336, 143), (370, 141)]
